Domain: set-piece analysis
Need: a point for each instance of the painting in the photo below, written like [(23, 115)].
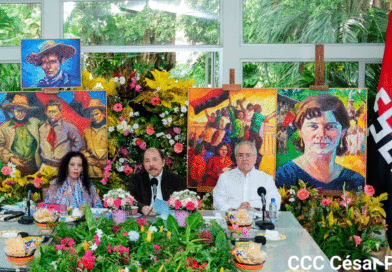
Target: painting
[(217, 121), (38, 129), (50, 63), (321, 138)]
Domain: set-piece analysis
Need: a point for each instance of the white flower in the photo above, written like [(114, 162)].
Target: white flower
[(137, 113), (115, 79), (168, 136), (122, 80), (119, 127), (170, 119), (177, 137), (172, 142), (292, 191), (93, 247), (176, 109), (124, 123), (54, 263), (135, 126), (162, 115), (184, 109), (121, 160), (166, 112), (99, 232), (131, 114), (291, 199), (186, 103), (111, 129), (120, 169), (164, 122), (153, 229), (181, 115)]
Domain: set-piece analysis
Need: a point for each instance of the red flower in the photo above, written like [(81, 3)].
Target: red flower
[(116, 229), (142, 221), (357, 239), (178, 147), (138, 141), (155, 100), (87, 261), (369, 190), (303, 194), (117, 107), (143, 145), (6, 170), (105, 204), (190, 206), (128, 170), (177, 205), (117, 203), (108, 248), (206, 235), (157, 247), (326, 202), (38, 182)]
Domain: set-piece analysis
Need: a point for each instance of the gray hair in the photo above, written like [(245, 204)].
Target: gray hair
[(248, 143)]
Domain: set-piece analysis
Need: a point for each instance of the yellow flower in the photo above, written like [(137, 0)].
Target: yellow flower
[(142, 229), (168, 234), (161, 229), (85, 245), (222, 269), (149, 234)]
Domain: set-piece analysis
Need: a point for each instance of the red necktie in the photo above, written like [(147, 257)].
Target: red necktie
[(18, 125), (51, 139)]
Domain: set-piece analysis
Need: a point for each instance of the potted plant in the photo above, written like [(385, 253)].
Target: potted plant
[(119, 201), (184, 203)]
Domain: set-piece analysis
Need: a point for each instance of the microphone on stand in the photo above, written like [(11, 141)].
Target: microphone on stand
[(264, 224), (28, 219), (154, 183)]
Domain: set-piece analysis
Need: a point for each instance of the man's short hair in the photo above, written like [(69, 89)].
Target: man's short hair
[(249, 143), (158, 150), (54, 103)]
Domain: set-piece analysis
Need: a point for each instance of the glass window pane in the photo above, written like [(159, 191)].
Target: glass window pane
[(10, 77), (372, 77), (141, 22), (19, 21), (298, 74), (181, 65), (310, 21)]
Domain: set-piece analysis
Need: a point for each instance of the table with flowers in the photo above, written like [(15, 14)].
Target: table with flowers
[(297, 242)]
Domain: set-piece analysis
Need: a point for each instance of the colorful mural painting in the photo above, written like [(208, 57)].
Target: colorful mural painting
[(38, 129), (217, 121), (50, 63), (321, 138)]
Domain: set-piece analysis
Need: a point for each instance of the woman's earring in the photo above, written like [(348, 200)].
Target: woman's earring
[(341, 143), (302, 143)]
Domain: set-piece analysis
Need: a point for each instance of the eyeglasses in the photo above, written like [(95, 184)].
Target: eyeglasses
[(245, 155)]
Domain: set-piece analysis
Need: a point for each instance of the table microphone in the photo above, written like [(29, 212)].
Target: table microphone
[(28, 219), (154, 183), (264, 224)]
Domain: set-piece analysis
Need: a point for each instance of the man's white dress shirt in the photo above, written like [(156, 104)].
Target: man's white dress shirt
[(159, 188), (234, 187)]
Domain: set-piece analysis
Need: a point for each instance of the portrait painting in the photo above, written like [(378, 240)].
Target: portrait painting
[(321, 138), (50, 63), (217, 121), (38, 129)]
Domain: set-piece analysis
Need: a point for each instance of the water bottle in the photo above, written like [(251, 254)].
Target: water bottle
[(273, 211)]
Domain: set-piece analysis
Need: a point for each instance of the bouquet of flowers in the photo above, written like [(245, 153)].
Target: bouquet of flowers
[(184, 200), (118, 199)]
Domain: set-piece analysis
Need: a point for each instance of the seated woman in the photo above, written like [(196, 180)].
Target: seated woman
[(322, 122), (73, 187)]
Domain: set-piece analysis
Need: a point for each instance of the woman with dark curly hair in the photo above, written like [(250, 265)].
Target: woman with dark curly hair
[(322, 122), (73, 187)]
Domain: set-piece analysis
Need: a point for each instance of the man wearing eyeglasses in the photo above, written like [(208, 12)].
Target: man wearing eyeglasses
[(237, 188)]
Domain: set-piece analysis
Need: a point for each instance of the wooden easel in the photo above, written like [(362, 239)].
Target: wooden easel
[(231, 86), (319, 70)]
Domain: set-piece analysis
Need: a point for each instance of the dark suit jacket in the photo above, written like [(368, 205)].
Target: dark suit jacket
[(140, 186)]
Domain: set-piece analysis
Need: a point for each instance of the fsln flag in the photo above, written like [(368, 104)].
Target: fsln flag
[(379, 170)]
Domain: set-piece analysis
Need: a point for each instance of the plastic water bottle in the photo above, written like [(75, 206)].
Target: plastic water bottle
[(273, 211)]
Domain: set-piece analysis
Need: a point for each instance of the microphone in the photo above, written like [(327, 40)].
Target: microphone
[(28, 219), (154, 183), (263, 224)]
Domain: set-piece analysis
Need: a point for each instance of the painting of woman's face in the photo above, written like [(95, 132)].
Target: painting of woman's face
[(321, 135), (223, 151)]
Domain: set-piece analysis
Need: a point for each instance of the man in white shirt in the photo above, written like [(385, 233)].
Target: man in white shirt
[(141, 184), (237, 188)]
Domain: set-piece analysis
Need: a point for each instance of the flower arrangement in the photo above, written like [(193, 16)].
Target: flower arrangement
[(136, 245), (118, 199), (43, 179), (184, 200), (339, 225)]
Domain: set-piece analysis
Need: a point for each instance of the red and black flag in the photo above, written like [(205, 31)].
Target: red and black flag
[(379, 169), (211, 99)]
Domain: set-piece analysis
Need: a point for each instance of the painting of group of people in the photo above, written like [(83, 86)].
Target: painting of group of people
[(218, 121), (300, 134), (38, 129)]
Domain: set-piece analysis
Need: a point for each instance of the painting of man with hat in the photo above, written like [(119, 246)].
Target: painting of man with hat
[(95, 138), (19, 137), (59, 62)]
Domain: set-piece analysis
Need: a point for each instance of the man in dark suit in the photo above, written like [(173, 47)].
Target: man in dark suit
[(141, 184)]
